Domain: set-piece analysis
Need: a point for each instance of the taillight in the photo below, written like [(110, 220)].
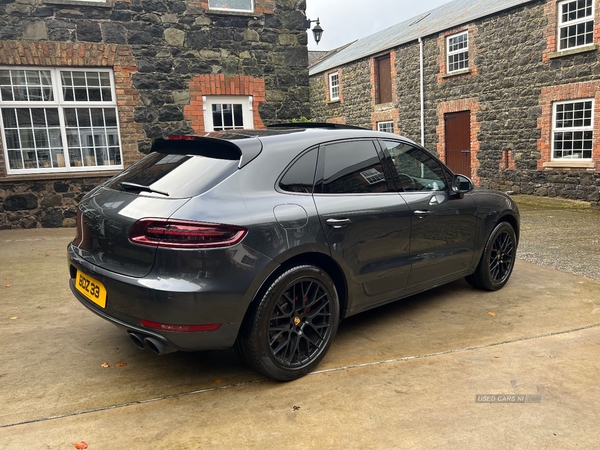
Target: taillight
[(184, 234), (180, 328)]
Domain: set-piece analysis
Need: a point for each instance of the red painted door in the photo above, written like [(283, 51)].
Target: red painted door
[(458, 142)]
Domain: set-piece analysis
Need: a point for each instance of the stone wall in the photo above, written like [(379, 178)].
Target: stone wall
[(42, 203), (165, 55), (510, 88)]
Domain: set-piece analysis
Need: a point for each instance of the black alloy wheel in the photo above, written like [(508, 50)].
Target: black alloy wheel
[(502, 257), (497, 260), (290, 330)]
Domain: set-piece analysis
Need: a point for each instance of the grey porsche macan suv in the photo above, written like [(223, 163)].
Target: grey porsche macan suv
[(265, 239)]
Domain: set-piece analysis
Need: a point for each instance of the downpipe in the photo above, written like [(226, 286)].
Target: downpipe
[(422, 89)]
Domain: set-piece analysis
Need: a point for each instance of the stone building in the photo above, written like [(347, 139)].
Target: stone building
[(86, 85), (504, 91)]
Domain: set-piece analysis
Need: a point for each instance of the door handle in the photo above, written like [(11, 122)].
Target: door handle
[(422, 213), (337, 223)]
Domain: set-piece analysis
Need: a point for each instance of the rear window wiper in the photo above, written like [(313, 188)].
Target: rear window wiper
[(126, 185)]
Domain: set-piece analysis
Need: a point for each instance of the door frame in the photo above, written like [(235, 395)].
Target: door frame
[(452, 106)]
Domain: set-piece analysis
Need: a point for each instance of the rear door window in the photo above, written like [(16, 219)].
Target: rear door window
[(352, 167)]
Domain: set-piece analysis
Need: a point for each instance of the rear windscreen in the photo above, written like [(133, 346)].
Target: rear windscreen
[(174, 175)]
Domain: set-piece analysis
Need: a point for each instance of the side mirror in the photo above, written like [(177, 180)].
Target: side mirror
[(462, 184)]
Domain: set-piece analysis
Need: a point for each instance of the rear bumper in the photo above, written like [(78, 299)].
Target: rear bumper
[(170, 300), (222, 338)]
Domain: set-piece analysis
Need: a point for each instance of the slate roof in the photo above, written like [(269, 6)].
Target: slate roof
[(447, 16)]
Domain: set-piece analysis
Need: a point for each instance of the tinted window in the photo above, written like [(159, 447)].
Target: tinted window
[(301, 176), (415, 169), (177, 175), (353, 168)]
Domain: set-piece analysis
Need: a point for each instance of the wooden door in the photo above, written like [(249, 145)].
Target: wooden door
[(458, 142)]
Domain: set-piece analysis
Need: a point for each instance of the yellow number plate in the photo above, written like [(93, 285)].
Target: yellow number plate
[(91, 288)]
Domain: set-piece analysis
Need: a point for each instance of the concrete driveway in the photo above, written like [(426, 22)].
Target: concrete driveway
[(402, 376)]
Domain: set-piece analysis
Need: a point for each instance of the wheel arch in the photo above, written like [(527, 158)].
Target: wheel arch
[(321, 260), (513, 222)]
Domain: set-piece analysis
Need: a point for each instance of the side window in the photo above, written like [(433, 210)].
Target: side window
[(300, 176), (59, 120), (228, 112), (334, 86), (575, 24), (353, 168), (457, 52), (415, 169)]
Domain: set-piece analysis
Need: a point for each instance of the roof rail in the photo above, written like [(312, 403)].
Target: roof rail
[(332, 126)]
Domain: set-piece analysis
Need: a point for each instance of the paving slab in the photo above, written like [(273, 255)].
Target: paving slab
[(405, 375)]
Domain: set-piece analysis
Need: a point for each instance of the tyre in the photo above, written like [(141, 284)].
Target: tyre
[(288, 331), (497, 261)]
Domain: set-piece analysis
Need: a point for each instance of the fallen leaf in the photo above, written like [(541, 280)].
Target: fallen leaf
[(491, 313), (121, 364), (105, 365), (7, 278), (217, 381), (7, 286), (296, 408), (47, 254), (81, 445), (14, 318), (496, 357)]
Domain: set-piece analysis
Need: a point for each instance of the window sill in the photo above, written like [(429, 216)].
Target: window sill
[(224, 12), (59, 176), (457, 73), (95, 4), (554, 165), (573, 51), (384, 106), (335, 100)]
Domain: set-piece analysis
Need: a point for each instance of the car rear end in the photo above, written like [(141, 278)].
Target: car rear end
[(172, 282)]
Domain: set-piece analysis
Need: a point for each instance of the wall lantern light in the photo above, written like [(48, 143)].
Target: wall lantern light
[(317, 30)]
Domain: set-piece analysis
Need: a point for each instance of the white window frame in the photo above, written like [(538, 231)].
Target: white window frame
[(381, 126), (244, 100), (572, 129), (251, 9), (60, 104), (450, 53), (569, 23), (334, 86)]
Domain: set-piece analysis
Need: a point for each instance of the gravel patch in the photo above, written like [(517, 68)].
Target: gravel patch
[(561, 234)]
